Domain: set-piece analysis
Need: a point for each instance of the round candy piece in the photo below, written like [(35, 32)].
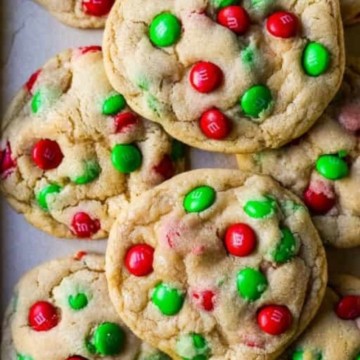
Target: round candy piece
[(357, 357), (124, 120), (214, 124), (223, 3), (251, 284), (76, 357), (43, 316), (113, 104), (256, 100), (92, 172), (42, 195), (165, 30), (199, 199), (193, 347), (315, 59), (348, 308), (126, 158), (332, 167), (240, 240), (205, 299), (274, 319), (32, 80), (177, 150), (78, 301), (83, 226), (47, 154), (167, 299), (107, 339), (165, 167), (205, 77), (97, 7), (304, 355), (282, 24), (23, 357), (7, 163), (139, 260), (318, 203), (234, 18), (259, 209), (287, 247)]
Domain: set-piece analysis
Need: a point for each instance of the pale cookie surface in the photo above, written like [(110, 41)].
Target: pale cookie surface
[(214, 265), (335, 332), (350, 11), (79, 13), (323, 167), (73, 153), (226, 78), (61, 311)]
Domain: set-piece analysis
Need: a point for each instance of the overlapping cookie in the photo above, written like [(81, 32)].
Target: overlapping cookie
[(61, 311), (323, 167), (224, 75), (216, 265), (73, 153), (79, 13), (334, 333), (350, 11)]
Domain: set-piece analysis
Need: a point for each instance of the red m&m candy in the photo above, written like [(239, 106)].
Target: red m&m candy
[(124, 120), (204, 299), (214, 124), (83, 226), (348, 308), (165, 167), (88, 49), (76, 357), (43, 316), (139, 260), (205, 77), (282, 24), (7, 164), (240, 240), (32, 80), (274, 319), (97, 7), (235, 18), (47, 154), (318, 202)]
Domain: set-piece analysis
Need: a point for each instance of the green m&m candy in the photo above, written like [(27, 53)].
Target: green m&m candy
[(332, 167), (107, 339), (44, 98), (78, 301), (193, 347), (199, 199), (126, 158), (91, 172), (113, 104), (23, 357), (251, 284), (287, 247), (165, 30), (167, 299), (41, 196), (315, 59), (223, 3), (256, 100), (357, 357), (259, 209), (306, 355), (177, 150)]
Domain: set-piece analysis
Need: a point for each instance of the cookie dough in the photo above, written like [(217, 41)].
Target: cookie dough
[(73, 153), (350, 11), (334, 333), (61, 311), (225, 77), (216, 265), (323, 167), (79, 13)]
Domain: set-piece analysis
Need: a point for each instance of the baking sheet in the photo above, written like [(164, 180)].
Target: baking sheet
[(29, 37)]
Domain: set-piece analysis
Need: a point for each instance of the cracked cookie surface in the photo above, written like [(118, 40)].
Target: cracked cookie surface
[(216, 265), (323, 166), (61, 311), (225, 77), (73, 153)]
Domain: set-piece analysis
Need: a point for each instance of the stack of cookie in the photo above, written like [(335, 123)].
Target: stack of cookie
[(208, 264)]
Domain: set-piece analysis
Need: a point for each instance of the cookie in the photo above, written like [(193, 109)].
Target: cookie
[(73, 153), (79, 13), (334, 333), (61, 311), (225, 77), (350, 11), (216, 265), (323, 167)]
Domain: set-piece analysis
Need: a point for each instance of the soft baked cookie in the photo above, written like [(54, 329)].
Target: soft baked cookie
[(350, 11), (225, 77), (334, 334), (61, 311), (216, 265), (73, 152), (323, 167), (79, 13)]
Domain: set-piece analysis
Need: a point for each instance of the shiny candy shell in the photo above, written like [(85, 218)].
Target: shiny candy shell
[(113, 104), (234, 18), (139, 260), (126, 158), (167, 299), (315, 59), (205, 77), (97, 8), (43, 316), (240, 240), (256, 100), (47, 154), (260, 209), (274, 319), (282, 24), (251, 284), (42, 195), (165, 30), (199, 199), (318, 203), (332, 167), (287, 247), (348, 308), (214, 124), (83, 226)]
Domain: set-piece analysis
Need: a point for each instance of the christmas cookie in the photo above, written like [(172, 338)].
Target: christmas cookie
[(61, 311), (216, 265), (73, 153), (227, 75), (323, 167), (334, 333), (79, 13), (350, 11)]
